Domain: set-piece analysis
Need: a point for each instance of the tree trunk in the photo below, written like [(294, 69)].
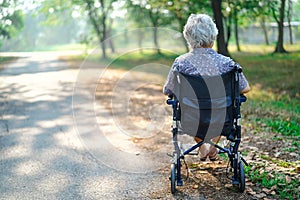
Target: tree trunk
[(109, 38), (101, 33), (265, 31), (216, 6), (181, 23), (291, 33), (187, 49), (103, 38), (155, 37), (236, 30), (228, 30), (140, 39), (279, 47), (154, 21), (289, 17)]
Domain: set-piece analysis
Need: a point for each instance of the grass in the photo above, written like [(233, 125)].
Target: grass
[(5, 59), (285, 188), (133, 59), (285, 127), (274, 73)]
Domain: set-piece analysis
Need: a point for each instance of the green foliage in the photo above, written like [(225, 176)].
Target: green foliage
[(285, 188), (172, 13), (285, 127), (11, 19), (55, 12)]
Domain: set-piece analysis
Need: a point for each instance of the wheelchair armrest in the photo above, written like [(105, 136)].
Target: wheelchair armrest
[(242, 98), (170, 101)]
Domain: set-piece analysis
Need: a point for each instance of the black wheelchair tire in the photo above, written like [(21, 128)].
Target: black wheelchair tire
[(241, 175), (173, 178)]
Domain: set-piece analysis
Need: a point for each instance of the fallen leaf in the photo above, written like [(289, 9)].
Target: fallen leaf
[(294, 154), (277, 154), (288, 179), (270, 175), (266, 190), (281, 184), (203, 172), (260, 195), (250, 191), (196, 186), (249, 183), (261, 171), (273, 187)]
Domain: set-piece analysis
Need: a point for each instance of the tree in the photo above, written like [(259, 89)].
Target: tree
[(217, 10), (97, 11), (181, 10), (153, 14), (11, 19), (136, 13), (235, 7), (264, 28), (259, 11), (289, 16), (279, 46), (228, 17)]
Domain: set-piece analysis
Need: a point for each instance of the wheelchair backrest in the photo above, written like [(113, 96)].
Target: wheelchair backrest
[(207, 103)]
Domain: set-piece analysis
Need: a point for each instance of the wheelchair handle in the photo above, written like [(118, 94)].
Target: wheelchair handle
[(238, 68)]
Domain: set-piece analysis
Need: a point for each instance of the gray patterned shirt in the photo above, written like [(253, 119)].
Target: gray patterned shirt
[(204, 62)]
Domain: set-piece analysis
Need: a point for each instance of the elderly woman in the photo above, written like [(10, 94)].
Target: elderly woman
[(200, 33)]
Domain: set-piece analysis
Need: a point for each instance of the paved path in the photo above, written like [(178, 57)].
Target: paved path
[(42, 155)]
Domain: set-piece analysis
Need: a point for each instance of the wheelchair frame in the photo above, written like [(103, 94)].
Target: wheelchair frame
[(235, 158)]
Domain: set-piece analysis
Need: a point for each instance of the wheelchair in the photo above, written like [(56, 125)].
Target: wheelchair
[(207, 107)]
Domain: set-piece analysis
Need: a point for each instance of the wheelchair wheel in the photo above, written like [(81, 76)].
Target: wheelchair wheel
[(173, 178), (241, 177)]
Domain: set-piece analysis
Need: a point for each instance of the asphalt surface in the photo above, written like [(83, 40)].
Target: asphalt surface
[(51, 146)]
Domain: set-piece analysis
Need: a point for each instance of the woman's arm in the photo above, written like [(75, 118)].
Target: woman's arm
[(246, 89)]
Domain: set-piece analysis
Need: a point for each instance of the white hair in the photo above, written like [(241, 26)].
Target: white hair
[(200, 31)]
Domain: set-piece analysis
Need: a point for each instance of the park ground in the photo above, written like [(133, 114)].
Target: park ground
[(270, 125)]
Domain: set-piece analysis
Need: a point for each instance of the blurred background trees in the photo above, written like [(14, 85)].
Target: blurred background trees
[(11, 19), (37, 24)]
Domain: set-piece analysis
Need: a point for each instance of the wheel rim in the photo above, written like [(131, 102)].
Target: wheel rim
[(241, 177)]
